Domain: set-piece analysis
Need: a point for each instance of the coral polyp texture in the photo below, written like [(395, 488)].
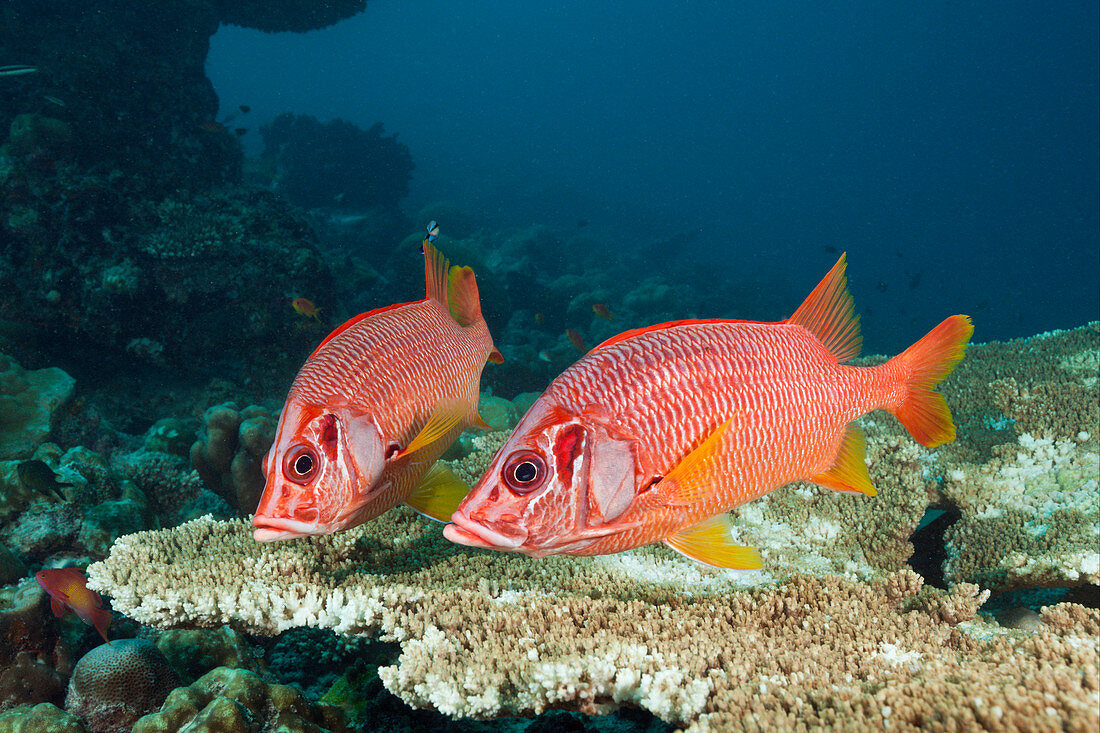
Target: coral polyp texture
[(836, 631), (485, 635)]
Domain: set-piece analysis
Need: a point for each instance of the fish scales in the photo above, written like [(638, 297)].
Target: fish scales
[(372, 409), (656, 433), (777, 376), (382, 357)]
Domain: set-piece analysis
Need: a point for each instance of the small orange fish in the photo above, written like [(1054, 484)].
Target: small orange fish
[(540, 319), (69, 588), (305, 307), (658, 432), (372, 409), (602, 311), (576, 339)]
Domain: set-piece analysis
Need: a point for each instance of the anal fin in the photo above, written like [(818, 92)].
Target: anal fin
[(710, 542), (438, 494), (849, 471)]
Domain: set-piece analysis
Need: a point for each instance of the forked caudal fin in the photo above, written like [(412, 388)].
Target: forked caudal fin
[(922, 410)]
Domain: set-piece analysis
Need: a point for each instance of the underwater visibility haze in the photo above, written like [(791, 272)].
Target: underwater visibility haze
[(243, 388)]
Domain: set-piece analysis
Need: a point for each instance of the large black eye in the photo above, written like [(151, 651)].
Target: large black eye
[(524, 471), (300, 464)]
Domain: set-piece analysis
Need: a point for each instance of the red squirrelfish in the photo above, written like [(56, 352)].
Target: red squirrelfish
[(372, 409), (656, 433), (68, 588)]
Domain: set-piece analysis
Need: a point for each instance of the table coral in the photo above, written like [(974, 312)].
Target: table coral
[(486, 635), (28, 402)]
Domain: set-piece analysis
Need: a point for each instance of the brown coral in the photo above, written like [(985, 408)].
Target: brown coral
[(235, 701), (485, 635), (230, 450)]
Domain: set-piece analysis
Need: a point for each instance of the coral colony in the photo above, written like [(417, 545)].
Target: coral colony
[(148, 336)]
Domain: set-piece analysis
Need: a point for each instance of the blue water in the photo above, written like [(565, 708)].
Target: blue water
[(950, 148)]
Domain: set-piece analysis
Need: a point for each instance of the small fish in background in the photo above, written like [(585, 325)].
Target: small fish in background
[(211, 126), (602, 311), (37, 476), (576, 339), (54, 100), (540, 319), (655, 434), (373, 408), (433, 232), (305, 307), (68, 588)]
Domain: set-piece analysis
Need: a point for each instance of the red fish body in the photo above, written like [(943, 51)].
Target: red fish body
[(372, 409), (68, 588), (658, 432)]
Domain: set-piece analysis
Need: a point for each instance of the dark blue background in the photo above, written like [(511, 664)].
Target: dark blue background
[(951, 148)]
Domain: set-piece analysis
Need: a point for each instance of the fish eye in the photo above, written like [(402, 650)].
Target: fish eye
[(300, 464), (524, 471)]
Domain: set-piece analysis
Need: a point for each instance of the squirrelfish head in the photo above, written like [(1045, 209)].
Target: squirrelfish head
[(323, 471), (560, 482)]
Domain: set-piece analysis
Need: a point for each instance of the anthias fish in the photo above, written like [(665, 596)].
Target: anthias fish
[(372, 409), (68, 588), (655, 434)]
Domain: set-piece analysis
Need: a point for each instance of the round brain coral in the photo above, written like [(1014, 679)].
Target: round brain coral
[(115, 684)]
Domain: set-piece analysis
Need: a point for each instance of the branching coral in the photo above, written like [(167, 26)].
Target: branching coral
[(485, 635)]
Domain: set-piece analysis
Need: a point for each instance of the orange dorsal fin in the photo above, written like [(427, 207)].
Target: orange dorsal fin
[(435, 273), (462, 296), (829, 315), (849, 470), (352, 321)]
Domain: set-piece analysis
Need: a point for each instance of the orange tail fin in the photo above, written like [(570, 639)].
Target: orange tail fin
[(922, 410)]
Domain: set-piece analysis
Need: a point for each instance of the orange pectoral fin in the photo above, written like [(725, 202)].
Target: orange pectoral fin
[(692, 480), (849, 471), (446, 416)]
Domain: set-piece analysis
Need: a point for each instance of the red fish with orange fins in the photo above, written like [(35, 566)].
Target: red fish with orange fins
[(658, 432), (68, 588), (372, 409)]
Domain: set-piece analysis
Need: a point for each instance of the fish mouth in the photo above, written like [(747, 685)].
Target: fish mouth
[(464, 531), (271, 529)]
